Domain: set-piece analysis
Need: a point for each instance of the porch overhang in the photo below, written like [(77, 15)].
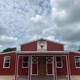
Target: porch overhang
[(44, 52)]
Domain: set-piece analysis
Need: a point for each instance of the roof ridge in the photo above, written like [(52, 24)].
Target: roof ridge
[(42, 39)]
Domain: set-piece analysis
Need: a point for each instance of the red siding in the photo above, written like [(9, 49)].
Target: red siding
[(54, 47), (60, 71), (74, 70), (49, 68), (50, 46), (22, 71), (63, 70), (11, 70), (29, 47), (34, 68)]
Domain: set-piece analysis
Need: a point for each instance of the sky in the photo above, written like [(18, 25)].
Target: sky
[(26, 20)]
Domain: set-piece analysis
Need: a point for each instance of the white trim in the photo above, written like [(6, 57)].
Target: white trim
[(75, 61), (67, 63), (55, 68), (69, 71), (8, 52), (29, 68), (15, 68), (4, 61), (46, 67), (61, 62), (44, 40), (37, 65), (18, 64), (37, 52), (53, 64), (45, 52), (26, 61)]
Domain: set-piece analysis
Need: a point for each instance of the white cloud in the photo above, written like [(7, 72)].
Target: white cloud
[(52, 38), (24, 20), (38, 20), (1, 46), (68, 15), (31, 2), (7, 40)]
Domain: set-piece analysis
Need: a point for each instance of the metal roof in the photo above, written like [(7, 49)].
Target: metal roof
[(42, 39)]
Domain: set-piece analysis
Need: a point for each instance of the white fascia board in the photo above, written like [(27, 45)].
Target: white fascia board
[(42, 39), (45, 52)]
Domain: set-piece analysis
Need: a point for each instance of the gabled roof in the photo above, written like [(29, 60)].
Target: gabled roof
[(42, 39)]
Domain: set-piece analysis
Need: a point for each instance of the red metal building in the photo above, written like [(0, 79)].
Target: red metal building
[(40, 57)]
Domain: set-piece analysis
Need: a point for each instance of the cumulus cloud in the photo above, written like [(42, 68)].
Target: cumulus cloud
[(3, 28), (69, 12), (38, 20), (7, 40), (4, 36), (31, 2), (25, 20)]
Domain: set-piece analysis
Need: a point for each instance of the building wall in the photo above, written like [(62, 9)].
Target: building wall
[(63, 70), (50, 46), (11, 70), (73, 69), (29, 47), (54, 46), (21, 70), (24, 71)]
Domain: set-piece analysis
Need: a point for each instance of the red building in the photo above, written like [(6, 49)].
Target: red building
[(40, 57)]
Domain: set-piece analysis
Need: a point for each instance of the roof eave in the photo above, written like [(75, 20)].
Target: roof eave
[(42, 52), (43, 39)]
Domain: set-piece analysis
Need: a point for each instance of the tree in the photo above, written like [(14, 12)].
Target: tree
[(9, 49), (78, 49)]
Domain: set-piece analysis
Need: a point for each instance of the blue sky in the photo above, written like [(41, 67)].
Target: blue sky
[(25, 20)]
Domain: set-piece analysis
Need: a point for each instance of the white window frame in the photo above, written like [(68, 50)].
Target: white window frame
[(26, 61), (59, 61), (4, 62), (75, 61)]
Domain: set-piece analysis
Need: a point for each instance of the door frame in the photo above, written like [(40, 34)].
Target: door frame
[(46, 64)]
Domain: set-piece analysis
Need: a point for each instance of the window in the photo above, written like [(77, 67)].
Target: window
[(77, 61), (6, 62), (59, 62), (25, 62)]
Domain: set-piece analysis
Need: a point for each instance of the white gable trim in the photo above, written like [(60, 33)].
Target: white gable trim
[(42, 39)]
